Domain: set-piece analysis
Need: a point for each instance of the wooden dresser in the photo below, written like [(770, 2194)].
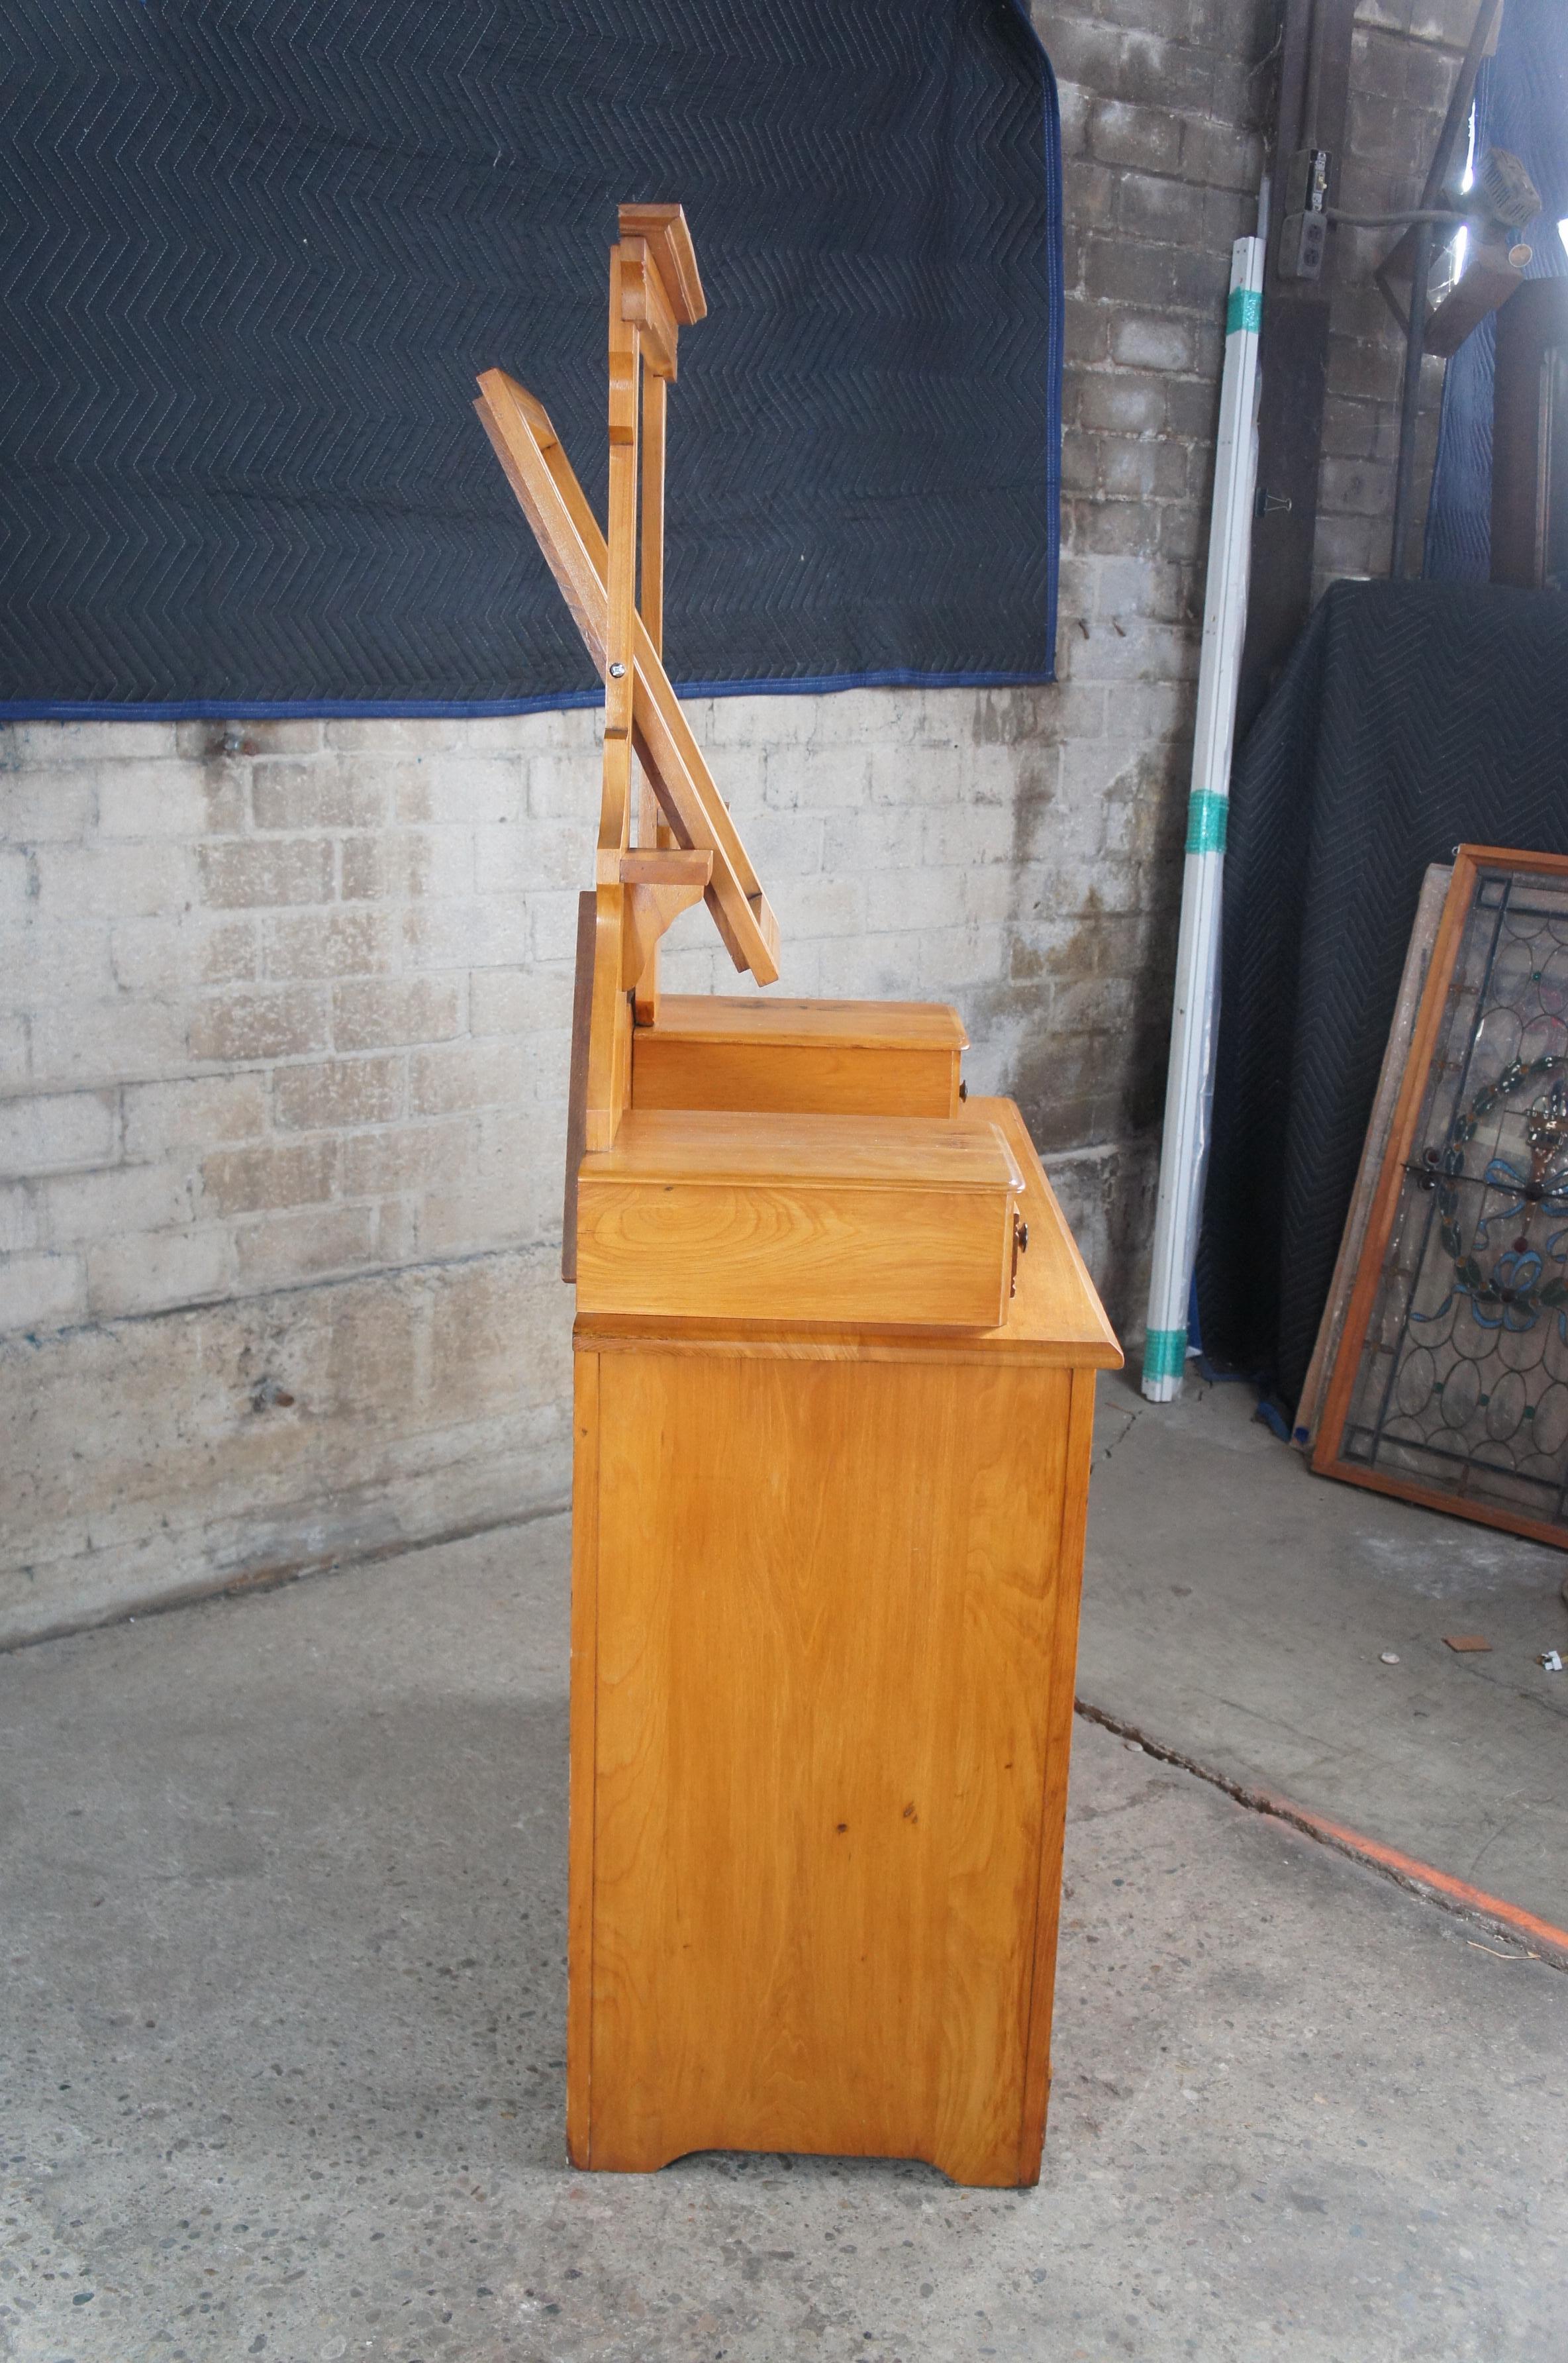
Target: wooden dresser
[(836, 1363), (824, 1620)]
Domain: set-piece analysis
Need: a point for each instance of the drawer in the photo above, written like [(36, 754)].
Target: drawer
[(799, 1058), (901, 1221)]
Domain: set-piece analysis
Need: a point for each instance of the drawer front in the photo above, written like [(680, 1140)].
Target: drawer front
[(793, 1079), (904, 1258)]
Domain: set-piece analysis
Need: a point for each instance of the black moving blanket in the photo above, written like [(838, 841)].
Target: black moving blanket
[(255, 255), (1412, 718)]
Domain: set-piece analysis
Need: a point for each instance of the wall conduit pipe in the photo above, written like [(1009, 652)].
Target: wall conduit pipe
[(1190, 1084)]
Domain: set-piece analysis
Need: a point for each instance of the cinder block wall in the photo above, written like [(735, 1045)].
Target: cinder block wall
[(283, 1024), (288, 1011)]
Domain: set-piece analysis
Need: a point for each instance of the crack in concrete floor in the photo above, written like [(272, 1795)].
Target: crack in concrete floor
[(1236, 1610)]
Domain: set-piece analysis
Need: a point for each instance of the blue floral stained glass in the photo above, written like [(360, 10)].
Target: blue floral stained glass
[(1462, 1382)]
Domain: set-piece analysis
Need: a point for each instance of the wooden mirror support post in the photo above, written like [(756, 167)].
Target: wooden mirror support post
[(687, 848), (831, 1464)]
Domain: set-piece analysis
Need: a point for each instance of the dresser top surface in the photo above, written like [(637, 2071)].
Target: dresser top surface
[(1054, 1317), (700, 1148), (872, 1025)]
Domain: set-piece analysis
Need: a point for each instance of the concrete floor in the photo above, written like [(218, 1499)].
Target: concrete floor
[(1236, 1608), (282, 2063)]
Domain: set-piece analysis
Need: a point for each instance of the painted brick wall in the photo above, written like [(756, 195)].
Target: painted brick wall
[(287, 1012), (283, 1007), (1161, 105)]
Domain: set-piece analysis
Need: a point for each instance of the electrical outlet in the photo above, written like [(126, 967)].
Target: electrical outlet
[(1304, 232), (1303, 242)]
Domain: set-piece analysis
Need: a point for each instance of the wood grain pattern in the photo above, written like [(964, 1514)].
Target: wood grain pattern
[(824, 1588), (1055, 1320), (609, 1021), (799, 1057), (654, 831), (660, 885), (808, 1218), (574, 547), (832, 1586), (869, 1024), (887, 1259), (577, 1086), (791, 1079), (665, 866), (826, 1630), (1061, 1690), (669, 240), (715, 1145), (643, 301), (585, 1492), (656, 437)]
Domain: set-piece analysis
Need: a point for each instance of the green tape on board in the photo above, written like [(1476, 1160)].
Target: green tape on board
[(1244, 310), (1207, 815), (1164, 1353)]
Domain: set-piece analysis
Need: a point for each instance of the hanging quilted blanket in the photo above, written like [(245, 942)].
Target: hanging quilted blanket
[(256, 252)]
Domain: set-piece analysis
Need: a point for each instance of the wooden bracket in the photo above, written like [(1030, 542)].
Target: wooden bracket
[(660, 886)]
